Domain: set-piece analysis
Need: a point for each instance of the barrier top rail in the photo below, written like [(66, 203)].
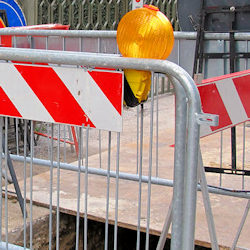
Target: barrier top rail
[(75, 58), (112, 34)]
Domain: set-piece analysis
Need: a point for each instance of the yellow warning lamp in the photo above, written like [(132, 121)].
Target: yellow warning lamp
[(143, 33)]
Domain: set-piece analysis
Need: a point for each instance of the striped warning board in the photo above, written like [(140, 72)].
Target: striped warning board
[(66, 95), (227, 96)]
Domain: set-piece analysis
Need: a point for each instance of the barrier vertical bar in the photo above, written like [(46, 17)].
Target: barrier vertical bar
[(140, 183), (117, 190), (179, 163), (25, 184), (17, 136), (51, 186), (150, 160), (108, 190), (86, 190), (221, 155), (64, 143), (190, 188), (100, 147), (31, 181), (6, 181), (137, 139), (58, 188), (78, 188), (157, 128), (243, 154)]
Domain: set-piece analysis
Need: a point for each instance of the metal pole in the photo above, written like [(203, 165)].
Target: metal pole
[(108, 193), (240, 36), (150, 161), (179, 163), (117, 191), (51, 186), (138, 239), (85, 237), (232, 70), (207, 204)]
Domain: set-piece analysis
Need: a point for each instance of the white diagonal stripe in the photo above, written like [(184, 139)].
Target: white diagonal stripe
[(231, 100), (91, 98), (21, 95)]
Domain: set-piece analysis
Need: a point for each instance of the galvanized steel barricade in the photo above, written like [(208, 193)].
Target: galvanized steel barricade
[(104, 42), (188, 111)]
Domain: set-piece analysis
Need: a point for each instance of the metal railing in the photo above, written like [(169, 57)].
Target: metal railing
[(103, 42), (185, 88)]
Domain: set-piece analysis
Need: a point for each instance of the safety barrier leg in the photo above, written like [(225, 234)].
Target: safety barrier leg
[(165, 229), (208, 209), (241, 225), (207, 204)]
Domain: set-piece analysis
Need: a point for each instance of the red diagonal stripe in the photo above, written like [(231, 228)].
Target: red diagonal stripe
[(54, 95), (213, 104), (111, 85), (6, 106), (242, 85)]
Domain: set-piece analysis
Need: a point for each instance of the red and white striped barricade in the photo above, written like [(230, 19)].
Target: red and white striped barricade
[(227, 96), (66, 95)]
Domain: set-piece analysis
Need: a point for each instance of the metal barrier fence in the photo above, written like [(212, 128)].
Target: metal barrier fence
[(98, 15), (188, 152), (147, 122)]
